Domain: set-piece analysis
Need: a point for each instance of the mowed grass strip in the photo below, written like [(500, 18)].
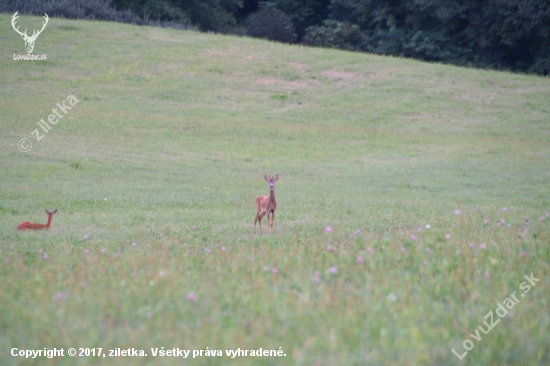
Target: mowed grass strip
[(432, 179)]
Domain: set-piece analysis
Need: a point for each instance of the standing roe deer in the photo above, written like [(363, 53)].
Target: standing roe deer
[(266, 205), (27, 225)]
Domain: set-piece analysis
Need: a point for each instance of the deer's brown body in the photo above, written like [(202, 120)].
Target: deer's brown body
[(27, 225), (266, 205)]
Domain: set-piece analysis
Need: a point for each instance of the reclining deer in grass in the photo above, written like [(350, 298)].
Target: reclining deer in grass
[(266, 205), (27, 225)]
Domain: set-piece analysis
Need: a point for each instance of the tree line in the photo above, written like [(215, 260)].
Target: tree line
[(498, 34)]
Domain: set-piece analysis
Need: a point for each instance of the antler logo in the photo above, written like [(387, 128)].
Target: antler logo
[(29, 41)]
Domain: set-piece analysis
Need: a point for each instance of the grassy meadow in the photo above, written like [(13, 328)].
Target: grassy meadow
[(412, 199)]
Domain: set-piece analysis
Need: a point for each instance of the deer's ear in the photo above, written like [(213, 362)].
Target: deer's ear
[(55, 211), (276, 177), (265, 177)]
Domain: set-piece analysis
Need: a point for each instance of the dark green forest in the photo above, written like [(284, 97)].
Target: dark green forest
[(498, 34)]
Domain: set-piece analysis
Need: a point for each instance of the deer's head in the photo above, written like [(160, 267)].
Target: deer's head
[(271, 180), (29, 41)]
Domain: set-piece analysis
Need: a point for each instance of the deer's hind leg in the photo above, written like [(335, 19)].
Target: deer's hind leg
[(259, 217)]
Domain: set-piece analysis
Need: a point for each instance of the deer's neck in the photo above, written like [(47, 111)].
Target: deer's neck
[(50, 217), (272, 194)]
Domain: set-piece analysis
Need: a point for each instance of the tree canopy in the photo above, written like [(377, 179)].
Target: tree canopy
[(500, 34)]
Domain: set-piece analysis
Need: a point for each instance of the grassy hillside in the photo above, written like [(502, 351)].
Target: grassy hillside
[(432, 179)]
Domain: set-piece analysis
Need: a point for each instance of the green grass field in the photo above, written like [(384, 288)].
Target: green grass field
[(433, 179)]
